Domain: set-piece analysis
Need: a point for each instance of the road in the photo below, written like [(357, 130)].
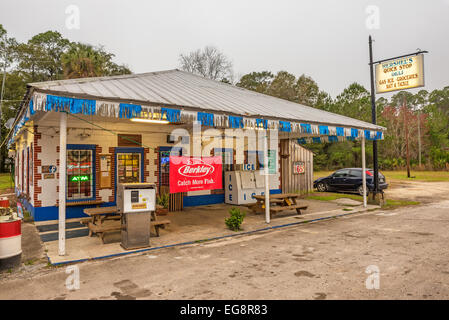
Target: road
[(323, 260)]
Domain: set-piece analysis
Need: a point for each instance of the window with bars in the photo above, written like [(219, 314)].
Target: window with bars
[(80, 173)]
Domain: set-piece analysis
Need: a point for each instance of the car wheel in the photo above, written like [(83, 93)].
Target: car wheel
[(360, 191), (322, 187)]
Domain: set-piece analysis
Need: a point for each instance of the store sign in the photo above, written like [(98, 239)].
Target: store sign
[(48, 169), (79, 178), (400, 74), (299, 167), (194, 174), (272, 161)]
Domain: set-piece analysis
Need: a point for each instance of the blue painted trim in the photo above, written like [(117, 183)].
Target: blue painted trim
[(191, 201), (52, 212), (94, 169)]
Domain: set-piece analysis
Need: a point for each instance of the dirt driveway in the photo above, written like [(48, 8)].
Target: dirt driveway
[(424, 192)]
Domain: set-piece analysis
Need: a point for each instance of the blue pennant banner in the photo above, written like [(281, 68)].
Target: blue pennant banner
[(262, 123), (206, 119), (72, 105), (324, 130), (333, 139), (302, 141), (340, 131), (316, 140), (306, 128), (368, 135), (285, 126), (235, 122), (129, 111), (172, 115), (354, 133), (31, 107)]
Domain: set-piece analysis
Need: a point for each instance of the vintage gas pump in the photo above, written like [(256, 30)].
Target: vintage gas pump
[(135, 202)]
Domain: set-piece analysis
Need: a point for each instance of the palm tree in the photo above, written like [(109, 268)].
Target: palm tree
[(82, 61)]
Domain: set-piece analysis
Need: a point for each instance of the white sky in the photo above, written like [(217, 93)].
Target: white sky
[(327, 39)]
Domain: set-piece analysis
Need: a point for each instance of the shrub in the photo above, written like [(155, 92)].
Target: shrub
[(235, 220), (163, 200)]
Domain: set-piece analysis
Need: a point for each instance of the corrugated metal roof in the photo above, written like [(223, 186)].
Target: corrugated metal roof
[(184, 89)]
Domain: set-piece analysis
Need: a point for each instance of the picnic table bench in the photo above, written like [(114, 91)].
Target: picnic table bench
[(278, 202), (97, 217)]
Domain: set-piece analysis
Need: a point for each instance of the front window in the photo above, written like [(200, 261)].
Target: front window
[(80, 180)]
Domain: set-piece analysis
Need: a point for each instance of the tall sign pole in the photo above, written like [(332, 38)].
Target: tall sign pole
[(373, 116)]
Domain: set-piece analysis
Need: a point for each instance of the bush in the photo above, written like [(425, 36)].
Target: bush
[(235, 220), (163, 200)]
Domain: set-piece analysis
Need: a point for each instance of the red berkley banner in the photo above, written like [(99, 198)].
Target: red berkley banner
[(194, 174)]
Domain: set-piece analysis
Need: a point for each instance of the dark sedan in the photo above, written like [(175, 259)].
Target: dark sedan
[(349, 180)]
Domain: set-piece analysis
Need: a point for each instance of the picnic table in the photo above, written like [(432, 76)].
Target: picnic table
[(98, 216), (278, 203)]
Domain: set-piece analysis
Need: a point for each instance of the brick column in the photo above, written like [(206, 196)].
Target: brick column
[(98, 150), (146, 163), (36, 164), (112, 152), (156, 173)]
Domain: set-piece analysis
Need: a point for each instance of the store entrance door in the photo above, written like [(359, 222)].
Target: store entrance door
[(129, 165)]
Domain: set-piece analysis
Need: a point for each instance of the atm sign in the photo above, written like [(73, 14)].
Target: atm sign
[(79, 178)]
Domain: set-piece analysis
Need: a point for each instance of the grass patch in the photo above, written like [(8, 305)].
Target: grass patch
[(6, 181), (393, 204), (330, 196), (427, 176), (347, 209)]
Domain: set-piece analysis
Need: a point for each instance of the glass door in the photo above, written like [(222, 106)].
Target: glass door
[(128, 167)]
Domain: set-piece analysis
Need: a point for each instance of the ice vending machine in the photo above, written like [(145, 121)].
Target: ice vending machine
[(135, 202), (242, 186)]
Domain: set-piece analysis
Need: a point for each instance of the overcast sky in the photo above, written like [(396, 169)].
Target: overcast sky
[(327, 39)]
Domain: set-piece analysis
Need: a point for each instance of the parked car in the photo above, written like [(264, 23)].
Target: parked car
[(349, 180)]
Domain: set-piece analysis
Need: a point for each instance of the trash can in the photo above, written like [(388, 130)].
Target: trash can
[(10, 242), (4, 202)]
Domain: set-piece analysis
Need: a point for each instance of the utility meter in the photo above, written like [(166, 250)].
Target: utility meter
[(135, 202)]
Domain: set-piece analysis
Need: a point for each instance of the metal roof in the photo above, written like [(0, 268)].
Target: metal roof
[(184, 89)]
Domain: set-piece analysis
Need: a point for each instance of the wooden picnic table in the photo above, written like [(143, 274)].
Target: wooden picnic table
[(278, 203), (97, 217)]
